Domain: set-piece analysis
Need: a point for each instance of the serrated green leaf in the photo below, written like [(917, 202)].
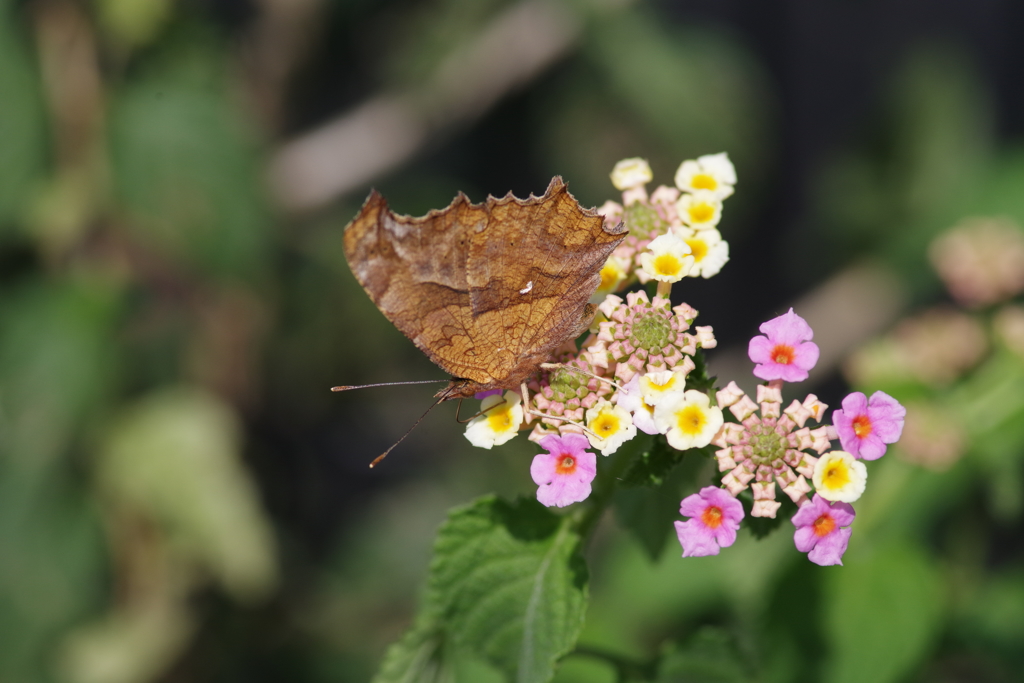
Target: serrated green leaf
[(650, 459), (647, 512), (881, 615), (418, 656), (425, 654), (511, 585)]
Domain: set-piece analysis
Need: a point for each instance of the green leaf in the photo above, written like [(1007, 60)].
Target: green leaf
[(881, 615), (22, 122), (760, 527), (175, 455), (418, 657), (54, 376), (185, 167), (425, 654), (130, 645), (648, 511), (993, 616), (650, 460), (52, 336), (710, 656), (511, 585), (698, 379)]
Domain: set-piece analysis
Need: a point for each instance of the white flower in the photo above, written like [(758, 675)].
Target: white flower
[(667, 258), (499, 421), (688, 419), (838, 476), (654, 386), (710, 252), (614, 272), (630, 173), (612, 424), (629, 398), (700, 210), (712, 173)]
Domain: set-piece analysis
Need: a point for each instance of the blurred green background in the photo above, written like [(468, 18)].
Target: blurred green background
[(183, 500)]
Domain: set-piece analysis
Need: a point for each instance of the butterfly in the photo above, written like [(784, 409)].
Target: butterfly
[(487, 291)]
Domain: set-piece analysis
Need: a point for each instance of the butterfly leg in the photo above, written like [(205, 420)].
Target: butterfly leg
[(459, 407)]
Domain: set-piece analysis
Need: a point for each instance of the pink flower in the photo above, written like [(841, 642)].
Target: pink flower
[(865, 425), (787, 352), (563, 473), (823, 530), (714, 519)]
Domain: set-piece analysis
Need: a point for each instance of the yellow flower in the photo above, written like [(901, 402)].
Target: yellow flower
[(700, 210), (712, 173), (710, 252), (667, 259), (688, 419), (613, 274), (838, 476), (611, 426), (499, 421)]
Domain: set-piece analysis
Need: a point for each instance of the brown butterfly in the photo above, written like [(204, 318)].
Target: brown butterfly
[(488, 291)]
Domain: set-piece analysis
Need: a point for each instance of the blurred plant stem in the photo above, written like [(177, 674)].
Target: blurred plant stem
[(388, 129), (63, 211)]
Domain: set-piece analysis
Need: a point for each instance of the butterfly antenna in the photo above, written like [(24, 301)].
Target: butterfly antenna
[(346, 387), (414, 424)]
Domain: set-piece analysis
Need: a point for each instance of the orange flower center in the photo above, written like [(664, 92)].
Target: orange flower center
[(783, 354), (712, 517), (824, 525), (861, 426), (566, 465)]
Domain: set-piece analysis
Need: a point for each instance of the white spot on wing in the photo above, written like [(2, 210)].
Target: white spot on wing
[(527, 288)]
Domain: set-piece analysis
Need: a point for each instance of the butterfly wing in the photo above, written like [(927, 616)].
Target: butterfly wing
[(531, 273), (485, 290)]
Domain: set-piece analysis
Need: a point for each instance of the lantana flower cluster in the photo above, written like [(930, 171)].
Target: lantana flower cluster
[(673, 231), (631, 375)]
